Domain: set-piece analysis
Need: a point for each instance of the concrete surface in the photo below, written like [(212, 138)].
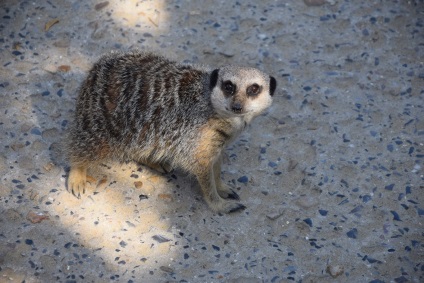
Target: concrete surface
[(332, 175)]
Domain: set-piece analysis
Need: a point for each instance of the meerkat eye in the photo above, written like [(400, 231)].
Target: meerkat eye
[(253, 90), (229, 87)]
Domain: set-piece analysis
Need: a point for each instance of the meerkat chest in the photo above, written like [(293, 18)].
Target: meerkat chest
[(237, 125)]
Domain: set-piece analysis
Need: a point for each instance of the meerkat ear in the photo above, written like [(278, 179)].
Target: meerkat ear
[(272, 85), (213, 79)]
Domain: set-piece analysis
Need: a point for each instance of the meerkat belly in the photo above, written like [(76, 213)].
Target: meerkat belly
[(170, 145), (167, 139)]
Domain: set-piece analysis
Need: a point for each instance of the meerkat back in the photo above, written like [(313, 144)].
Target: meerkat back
[(142, 107)]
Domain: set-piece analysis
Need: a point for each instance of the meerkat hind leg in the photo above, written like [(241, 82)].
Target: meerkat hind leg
[(77, 180), (223, 190)]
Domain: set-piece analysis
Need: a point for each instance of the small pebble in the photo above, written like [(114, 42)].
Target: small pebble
[(323, 212), (395, 215), (216, 248), (335, 270), (64, 68), (165, 197), (275, 214), (160, 239), (166, 269), (243, 179), (389, 187), (307, 201), (366, 198), (308, 221), (36, 217), (101, 5), (138, 184), (141, 197), (272, 164), (36, 131), (314, 2), (352, 233)]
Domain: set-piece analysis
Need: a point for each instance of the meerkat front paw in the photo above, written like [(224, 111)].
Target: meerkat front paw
[(77, 180), (226, 192)]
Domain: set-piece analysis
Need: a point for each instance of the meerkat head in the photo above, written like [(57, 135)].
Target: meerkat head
[(241, 91)]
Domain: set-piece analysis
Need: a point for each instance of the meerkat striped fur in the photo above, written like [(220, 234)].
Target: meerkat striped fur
[(143, 107)]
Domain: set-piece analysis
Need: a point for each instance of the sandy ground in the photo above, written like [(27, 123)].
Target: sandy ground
[(332, 175)]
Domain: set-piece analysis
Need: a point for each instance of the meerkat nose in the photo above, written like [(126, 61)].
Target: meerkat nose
[(237, 108)]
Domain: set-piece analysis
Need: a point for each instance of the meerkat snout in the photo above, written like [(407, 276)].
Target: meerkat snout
[(237, 108)]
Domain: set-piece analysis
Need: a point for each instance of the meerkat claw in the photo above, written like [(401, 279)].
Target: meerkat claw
[(233, 195), (238, 208), (74, 194)]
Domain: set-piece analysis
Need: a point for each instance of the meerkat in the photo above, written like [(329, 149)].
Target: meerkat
[(143, 107)]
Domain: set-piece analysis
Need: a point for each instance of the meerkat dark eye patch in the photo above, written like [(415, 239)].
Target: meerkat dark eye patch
[(228, 88), (253, 90), (272, 85), (213, 79)]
